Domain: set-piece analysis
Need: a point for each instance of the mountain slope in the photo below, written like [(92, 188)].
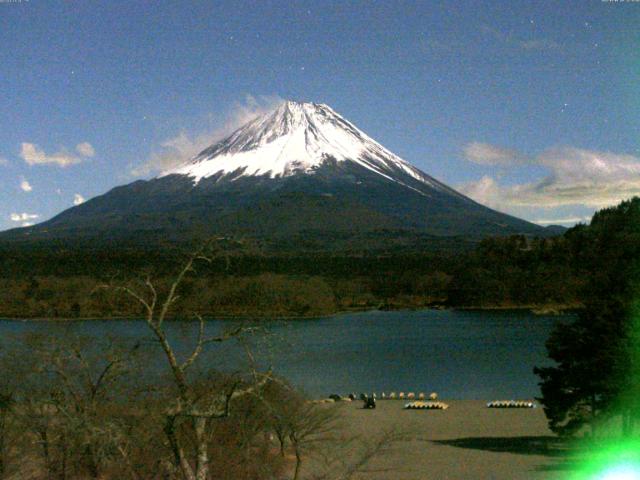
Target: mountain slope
[(299, 171)]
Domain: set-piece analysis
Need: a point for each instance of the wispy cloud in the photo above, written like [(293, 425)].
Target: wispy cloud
[(486, 154), (34, 155), (3, 162), (78, 199), (575, 177), (485, 191), (85, 149), (540, 44), (185, 145), (511, 40), (25, 186), (562, 220), (25, 219), (21, 217), (434, 45)]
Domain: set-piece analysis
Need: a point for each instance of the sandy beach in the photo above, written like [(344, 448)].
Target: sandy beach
[(466, 441)]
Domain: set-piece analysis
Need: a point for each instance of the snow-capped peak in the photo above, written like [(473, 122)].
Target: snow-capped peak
[(295, 138)]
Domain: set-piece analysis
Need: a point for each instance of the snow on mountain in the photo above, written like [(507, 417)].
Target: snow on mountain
[(297, 138), (300, 177)]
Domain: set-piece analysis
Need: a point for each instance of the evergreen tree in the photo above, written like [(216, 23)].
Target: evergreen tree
[(596, 371)]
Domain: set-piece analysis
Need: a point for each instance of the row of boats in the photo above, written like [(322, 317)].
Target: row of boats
[(422, 402), (389, 396), (420, 405), (511, 404)]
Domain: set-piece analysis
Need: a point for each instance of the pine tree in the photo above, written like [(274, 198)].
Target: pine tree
[(597, 372)]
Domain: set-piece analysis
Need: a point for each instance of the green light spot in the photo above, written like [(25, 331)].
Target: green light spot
[(619, 460), (621, 472)]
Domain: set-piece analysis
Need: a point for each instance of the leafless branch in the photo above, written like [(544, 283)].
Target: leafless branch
[(171, 296), (199, 345)]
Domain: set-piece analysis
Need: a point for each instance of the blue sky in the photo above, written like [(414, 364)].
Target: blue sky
[(530, 107)]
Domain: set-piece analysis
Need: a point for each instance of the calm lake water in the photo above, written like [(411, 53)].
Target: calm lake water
[(459, 354)]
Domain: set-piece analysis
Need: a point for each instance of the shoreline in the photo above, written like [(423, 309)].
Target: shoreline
[(537, 310)]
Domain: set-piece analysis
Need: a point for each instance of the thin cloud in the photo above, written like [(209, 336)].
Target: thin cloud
[(510, 40), (182, 147), (562, 221), (3, 162), (25, 186), (487, 154), (428, 44), (85, 149), (34, 155), (541, 44), (485, 191), (24, 218), (78, 199), (575, 176)]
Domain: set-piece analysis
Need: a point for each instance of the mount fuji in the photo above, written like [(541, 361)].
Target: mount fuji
[(300, 172)]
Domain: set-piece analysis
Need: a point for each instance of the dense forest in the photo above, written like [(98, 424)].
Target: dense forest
[(247, 278)]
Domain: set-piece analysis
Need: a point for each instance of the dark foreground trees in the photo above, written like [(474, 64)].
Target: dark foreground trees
[(597, 371)]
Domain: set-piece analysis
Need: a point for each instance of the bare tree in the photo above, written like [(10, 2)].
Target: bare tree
[(190, 404), (309, 426), (68, 399), (297, 422)]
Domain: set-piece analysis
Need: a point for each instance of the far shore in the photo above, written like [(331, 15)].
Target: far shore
[(542, 310)]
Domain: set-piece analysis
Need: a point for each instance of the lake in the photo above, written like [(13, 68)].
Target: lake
[(459, 354)]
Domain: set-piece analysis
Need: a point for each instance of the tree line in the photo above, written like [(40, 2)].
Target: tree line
[(246, 280)]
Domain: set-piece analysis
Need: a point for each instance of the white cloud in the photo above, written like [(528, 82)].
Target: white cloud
[(487, 154), (174, 151), (485, 191), (25, 185), (3, 162), (85, 149), (575, 177), (182, 147), (591, 167), (33, 155), (23, 217), (563, 221), (78, 199)]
